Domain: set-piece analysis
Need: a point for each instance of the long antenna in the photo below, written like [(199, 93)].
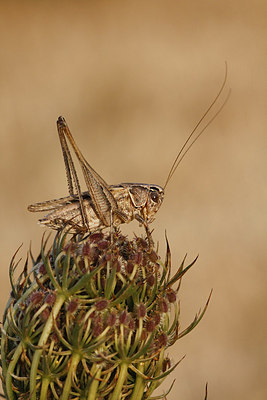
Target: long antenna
[(185, 149)]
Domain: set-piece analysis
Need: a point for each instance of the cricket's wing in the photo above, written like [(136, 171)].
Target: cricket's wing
[(69, 216), (66, 213), (52, 204)]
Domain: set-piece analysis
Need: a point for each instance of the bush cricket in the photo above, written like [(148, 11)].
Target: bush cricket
[(104, 205)]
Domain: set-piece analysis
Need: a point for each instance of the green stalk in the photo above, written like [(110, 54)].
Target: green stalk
[(72, 368), (11, 367), (46, 332), (82, 282), (137, 337), (110, 283), (139, 386), (96, 372), (45, 385), (116, 395)]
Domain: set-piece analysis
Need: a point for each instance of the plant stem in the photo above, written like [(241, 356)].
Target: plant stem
[(11, 367), (96, 372), (72, 368), (139, 384), (47, 329), (116, 395), (45, 384)]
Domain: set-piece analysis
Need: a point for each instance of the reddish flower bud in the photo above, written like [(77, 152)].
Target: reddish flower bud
[(166, 364), (123, 317), (141, 311), (150, 325), (42, 269), (111, 319), (54, 337), (50, 298), (96, 237), (162, 340), (72, 306), (171, 296), (86, 249), (98, 326), (142, 243), (101, 304), (116, 265), (129, 267), (153, 256), (132, 324), (150, 280), (107, 257), (138, 257), (82, 264), (163, 306), (70, 247), (36, 298), (45, 314), (98, 329), (156, 318)]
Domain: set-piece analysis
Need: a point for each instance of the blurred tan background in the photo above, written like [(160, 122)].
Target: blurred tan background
[(132, 78)]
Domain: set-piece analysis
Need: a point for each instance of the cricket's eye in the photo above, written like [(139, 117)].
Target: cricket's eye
[(154, 196)]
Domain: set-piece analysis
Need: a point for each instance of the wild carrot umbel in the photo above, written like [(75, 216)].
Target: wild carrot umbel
[(91, 319)]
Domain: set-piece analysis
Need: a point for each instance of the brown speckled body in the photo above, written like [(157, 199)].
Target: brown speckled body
[(134, 200)]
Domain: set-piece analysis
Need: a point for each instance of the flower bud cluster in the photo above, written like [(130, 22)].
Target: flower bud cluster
[(92, 319)]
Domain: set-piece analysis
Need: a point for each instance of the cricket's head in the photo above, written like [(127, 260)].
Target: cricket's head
[(146, 198), (154, 199)]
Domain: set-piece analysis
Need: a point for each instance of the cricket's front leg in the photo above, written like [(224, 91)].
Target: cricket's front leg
[(142, 219)]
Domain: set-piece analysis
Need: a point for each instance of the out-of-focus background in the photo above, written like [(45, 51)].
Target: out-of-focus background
[(132, 79)]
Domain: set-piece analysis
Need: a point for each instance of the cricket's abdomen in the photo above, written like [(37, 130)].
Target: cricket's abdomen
[(66, 213), (69, 216)]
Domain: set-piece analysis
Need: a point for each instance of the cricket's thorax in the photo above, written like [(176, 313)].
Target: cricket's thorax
[(134, 201), (138, 200)]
